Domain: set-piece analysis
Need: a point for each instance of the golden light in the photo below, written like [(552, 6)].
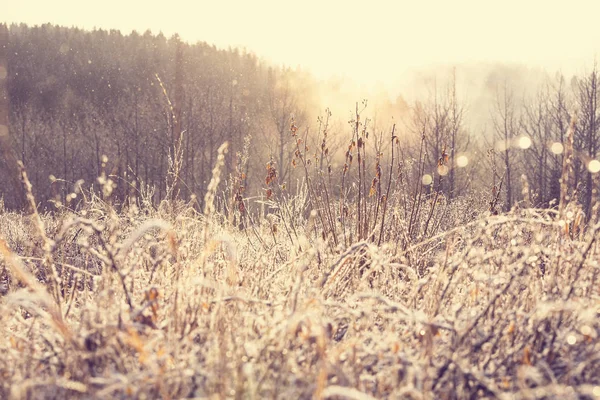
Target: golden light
[(462, 161), (524, 142), (557, 148), (251, 25), (427, 179), (586, 330), (594, 166)]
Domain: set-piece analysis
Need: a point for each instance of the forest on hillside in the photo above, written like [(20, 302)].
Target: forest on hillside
[(78, 96)]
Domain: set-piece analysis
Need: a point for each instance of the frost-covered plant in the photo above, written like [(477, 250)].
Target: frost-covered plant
[(452, 302)]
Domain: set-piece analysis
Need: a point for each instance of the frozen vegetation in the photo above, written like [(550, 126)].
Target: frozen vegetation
[(205, 235), (446, 301)]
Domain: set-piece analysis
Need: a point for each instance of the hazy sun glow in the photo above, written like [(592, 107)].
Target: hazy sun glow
[(524, 142), (462, 161), (594, 166), (370, 42), (557, 148)]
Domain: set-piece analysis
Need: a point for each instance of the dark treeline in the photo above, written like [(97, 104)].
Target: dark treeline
[(76, 96)]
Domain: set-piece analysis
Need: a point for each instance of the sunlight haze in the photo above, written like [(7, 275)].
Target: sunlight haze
[(369, 42), (258, 199)]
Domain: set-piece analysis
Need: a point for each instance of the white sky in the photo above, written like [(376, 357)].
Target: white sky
[(370, 41)]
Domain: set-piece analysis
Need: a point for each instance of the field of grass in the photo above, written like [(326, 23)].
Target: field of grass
[(450, 302)]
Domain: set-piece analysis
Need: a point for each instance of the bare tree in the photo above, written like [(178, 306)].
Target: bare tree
[(458, 138), (444, 134), (537, 125), (283, 105), (587, 132), (505, 123), (559, 104)]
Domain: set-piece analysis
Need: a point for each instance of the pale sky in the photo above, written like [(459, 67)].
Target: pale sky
[(369, 41)]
